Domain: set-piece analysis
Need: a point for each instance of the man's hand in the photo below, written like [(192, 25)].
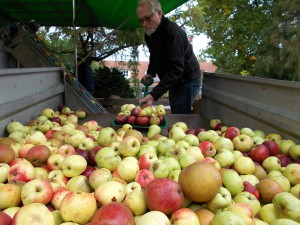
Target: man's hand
[(147, 100)]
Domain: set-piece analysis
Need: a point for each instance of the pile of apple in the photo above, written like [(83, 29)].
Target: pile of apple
[(144, 115), (55, 170)]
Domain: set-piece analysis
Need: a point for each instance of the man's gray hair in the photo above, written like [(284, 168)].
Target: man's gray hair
[(155, 4)]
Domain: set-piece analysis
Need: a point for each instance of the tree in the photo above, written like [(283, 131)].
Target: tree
[(234, 27), (279, 56), (97, 42)]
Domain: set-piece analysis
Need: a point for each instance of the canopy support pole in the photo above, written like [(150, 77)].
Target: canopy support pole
[(75, 39)]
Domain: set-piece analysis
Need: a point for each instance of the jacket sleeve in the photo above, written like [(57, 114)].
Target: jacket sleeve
[(173, 49)]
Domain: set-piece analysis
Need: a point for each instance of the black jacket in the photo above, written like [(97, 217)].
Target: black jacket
[(171, 57)]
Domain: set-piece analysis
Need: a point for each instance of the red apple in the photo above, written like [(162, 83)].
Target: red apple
[(285, 159), (219, 126), (207, 148), (142, 120), (190, 131), (165, 195), (88, 171), (91, 137), (93, 153), (49, 134), (131, 120), (161, 118), (83, 153), (38, 155), (251, 189), (135, 111), (258, 153), (5, 219), (144, 177), (121, 119), (272, 146), (56, 119), (232, 132), (198, 130), (114, 213), (146, 159), (7, 154)]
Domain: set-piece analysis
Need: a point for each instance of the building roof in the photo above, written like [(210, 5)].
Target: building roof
[(143, 66)]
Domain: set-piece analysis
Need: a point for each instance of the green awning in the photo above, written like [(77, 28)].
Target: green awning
[(101, 13)]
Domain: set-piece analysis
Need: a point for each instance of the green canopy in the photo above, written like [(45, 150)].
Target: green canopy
[(116, 14)]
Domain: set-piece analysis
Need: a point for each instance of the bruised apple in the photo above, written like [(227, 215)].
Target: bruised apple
[(205, 178)]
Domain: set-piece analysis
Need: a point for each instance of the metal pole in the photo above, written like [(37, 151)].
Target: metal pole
[(75, 39)]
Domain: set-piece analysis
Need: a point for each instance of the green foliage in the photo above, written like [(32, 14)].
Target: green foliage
[(111, 82), (279, 56), (234, 27)]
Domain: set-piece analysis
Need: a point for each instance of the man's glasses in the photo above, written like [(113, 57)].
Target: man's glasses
[(146, 19)]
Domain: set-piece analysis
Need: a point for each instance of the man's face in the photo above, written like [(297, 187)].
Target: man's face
[(149, 19)]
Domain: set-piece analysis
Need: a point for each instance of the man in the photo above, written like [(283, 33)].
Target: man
[(86, 76), (171, 58)]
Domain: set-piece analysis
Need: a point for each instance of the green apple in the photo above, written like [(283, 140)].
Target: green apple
[(196, 152), (271, 163), (233, 182), (244, 165), (259, 222), (250, 178), (107, 158), (176, 133), (191, 139), (127, 169), (147, 148), (111, 191), (151, 218), (242, 142), (248, 131), (136, 202), (292, 173), (129, 146), (227, 218), (182, 125), (250, 199), (106, 136), (174, 175), (73, 165), (287, 206), (284, 145), (159, 169), (223, 143), (294, 152), (186, 160), (267, 213), (79, 183), (225, 158), (295, 190), (257, 140), (207, 135), (99, 177), (221, 201), (13, 126), (172, 163), (259, 133), (243, 210), (284, 222), (176, 153)]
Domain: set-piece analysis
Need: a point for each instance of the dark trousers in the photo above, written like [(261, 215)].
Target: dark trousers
[(182, 97)]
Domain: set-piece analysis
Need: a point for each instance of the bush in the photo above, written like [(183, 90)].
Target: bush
[(111, 82)]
